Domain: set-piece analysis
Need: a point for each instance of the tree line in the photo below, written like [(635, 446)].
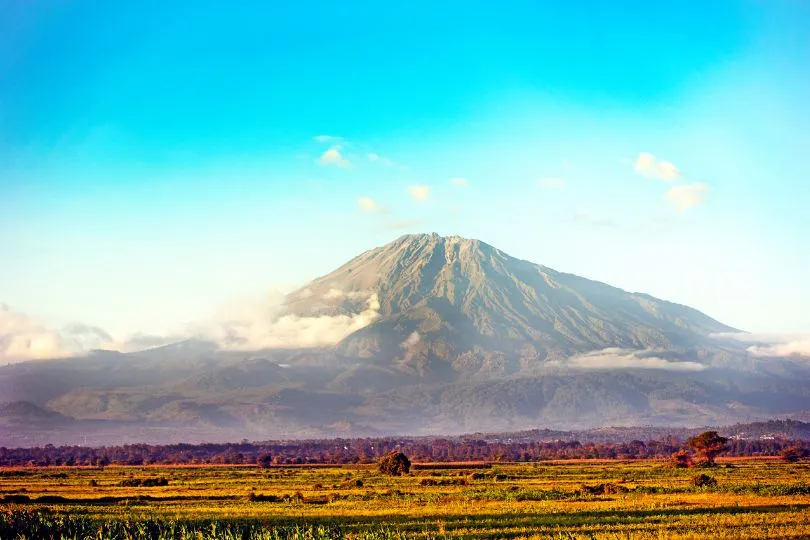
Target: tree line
[(370, 450)]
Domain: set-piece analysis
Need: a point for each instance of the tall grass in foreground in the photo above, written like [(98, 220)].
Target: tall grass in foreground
[(21, 524)]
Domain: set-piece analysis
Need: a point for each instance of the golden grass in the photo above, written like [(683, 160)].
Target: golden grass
[(753, 498)]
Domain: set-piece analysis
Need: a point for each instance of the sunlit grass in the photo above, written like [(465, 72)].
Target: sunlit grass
[(644, 499)]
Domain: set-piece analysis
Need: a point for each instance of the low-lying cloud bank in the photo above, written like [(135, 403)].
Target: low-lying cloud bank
[(267, 330), (23, 337), (240, 325), (770, 344), (616, 358), (257, 323)]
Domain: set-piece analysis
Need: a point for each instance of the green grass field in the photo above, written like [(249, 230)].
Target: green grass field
[(606, 499)]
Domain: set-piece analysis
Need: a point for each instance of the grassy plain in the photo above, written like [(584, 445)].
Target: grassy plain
[(641, 499)]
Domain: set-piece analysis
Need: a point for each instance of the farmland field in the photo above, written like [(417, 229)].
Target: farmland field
[(584, 499)]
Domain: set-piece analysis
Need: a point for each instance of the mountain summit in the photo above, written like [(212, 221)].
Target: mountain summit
[(454, 304)]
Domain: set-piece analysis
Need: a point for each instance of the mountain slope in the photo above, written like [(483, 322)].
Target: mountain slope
[(452, 303)]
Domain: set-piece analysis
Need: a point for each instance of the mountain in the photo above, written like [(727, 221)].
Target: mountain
[(427, 334), (452, 305)]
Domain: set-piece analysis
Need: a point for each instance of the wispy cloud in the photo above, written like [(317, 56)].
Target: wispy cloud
[(367, 204), (791, 348), (333, 157), (23, 337), (648, 165), (260, 325), (381, 160), (335, 293), (551, 183), (252, 323), (459, 182), (616, 358), (419, 193), (771, 344), (686, 196), (326, 138)]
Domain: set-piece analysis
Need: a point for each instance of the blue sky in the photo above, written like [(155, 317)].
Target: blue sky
[(155, 162)]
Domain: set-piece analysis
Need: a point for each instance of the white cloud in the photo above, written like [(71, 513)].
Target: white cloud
[(686, 196), (791, 348), (250, 323), (367, 204), (616, 358), (459, 182), (771, 344), (377, 158), (757, 337), (264, 329), (551, 183), (338, 294), (334, 157), (326, 138), (412, 340), (27, 338), (333, 294), (419, 193), (648, 165), (141, 342)]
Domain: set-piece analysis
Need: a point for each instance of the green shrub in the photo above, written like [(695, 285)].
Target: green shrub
[(703, 480), (144, 482)]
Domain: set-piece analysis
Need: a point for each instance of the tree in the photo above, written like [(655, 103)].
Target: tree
[(394, 463), (708, 445), (792, 454)]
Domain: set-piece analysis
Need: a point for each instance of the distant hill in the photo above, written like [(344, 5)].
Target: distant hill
[(768, 430), (25, 414)]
